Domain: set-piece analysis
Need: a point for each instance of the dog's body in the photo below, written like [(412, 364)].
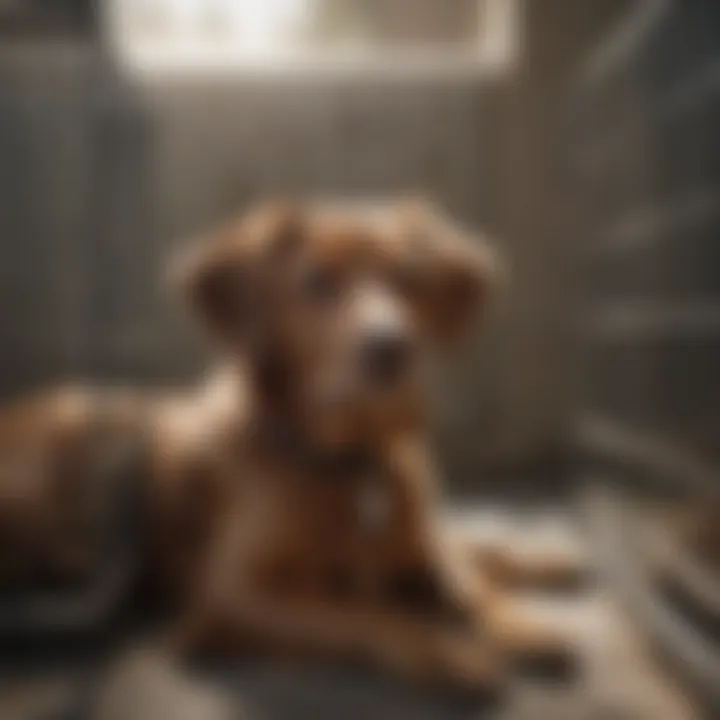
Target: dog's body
[(291, 497)]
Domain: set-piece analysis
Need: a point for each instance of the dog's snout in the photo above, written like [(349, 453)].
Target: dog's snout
[(385, 355)]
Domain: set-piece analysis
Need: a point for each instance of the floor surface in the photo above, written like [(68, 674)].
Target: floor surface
[(621, 679)]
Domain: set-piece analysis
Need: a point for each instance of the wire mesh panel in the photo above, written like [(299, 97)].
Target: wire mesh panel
[(74, 216), (646, 107), (647, 156)]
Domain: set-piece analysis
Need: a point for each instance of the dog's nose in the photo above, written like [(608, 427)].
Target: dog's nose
[(385, 355)]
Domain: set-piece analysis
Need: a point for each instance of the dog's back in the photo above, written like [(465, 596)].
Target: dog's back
[(71, 461)]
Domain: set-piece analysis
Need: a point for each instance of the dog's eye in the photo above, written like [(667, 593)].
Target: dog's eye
[(321, 283)]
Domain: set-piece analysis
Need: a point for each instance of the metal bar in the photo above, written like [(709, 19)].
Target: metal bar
[(696, 658), (630, 34), (625, 448), (620, 320), (648, 226)]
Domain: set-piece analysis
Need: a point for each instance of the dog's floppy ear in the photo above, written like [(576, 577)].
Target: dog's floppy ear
[(211, 276), (221, 274), (462, 270)]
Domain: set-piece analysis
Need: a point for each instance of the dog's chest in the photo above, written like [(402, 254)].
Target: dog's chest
[(332, 536), (359, 510)]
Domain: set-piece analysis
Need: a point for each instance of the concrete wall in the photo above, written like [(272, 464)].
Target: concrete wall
[(222, 143), (103, 182)]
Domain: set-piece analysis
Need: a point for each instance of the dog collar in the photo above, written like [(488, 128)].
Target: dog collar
[(372, 500), (352, 462)]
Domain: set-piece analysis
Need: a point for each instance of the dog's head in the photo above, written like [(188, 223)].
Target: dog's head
[(338, 309)]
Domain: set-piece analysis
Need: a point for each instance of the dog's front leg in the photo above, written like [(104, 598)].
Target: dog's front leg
[(513, 567), (230, 614), (458, 586), (425, 567), (411, 648)]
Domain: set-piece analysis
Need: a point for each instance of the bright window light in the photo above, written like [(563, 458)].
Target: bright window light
[(262, 26), (227, 34)]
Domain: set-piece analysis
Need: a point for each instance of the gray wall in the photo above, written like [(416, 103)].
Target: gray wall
[(45, 124), (222, 143), (105, 180)]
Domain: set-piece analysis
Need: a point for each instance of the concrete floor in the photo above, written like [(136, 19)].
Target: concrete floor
[(621, 680)]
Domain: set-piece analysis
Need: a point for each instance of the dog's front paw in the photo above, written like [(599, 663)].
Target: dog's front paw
[(554, 571), (450, 661), (464, 662), (534, 645)]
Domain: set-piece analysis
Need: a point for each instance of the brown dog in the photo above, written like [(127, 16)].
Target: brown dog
[(292, 497)]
